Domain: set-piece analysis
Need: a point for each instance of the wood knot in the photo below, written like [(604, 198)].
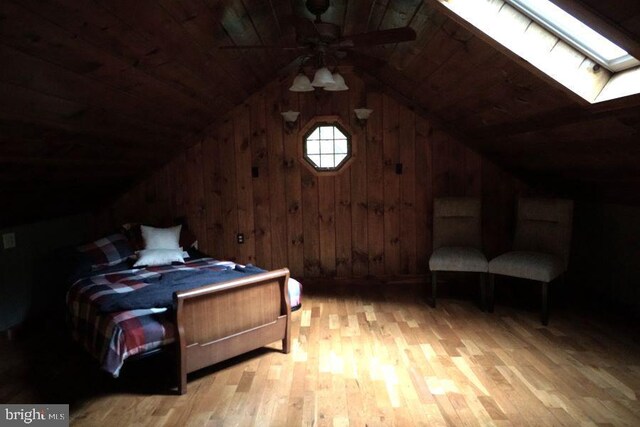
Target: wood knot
[(378, 208), (308, 182), (328, 219)]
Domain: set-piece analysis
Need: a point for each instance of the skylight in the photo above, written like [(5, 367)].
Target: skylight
[(580, 35), (553, 44)]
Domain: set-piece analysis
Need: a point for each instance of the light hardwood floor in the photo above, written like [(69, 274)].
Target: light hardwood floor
[(367, 356)]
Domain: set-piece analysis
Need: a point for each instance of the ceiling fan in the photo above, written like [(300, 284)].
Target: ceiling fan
[(316, 40)]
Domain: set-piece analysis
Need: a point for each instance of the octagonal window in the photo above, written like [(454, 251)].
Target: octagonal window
[(327, 146)]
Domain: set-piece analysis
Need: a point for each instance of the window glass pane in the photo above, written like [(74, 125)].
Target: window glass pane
[(326, 132), (340, 158), (314, 135), (313, 147), (573, 28), (327, 161), (339, 134), (326, 147), (341, 146), (315, 159)]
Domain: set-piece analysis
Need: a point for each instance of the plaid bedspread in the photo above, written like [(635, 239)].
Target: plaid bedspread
[(113, 337)]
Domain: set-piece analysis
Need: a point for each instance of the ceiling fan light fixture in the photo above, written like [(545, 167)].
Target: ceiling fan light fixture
[(301, 84), (322, 78), (339, 84)]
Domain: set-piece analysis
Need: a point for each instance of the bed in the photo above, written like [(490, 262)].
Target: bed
[(203, 325)]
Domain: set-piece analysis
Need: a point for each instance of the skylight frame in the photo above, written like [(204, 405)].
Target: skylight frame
[(620, 63), (544, 53)]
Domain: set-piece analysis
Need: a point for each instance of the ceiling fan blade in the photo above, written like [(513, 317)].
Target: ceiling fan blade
[(393, 35)]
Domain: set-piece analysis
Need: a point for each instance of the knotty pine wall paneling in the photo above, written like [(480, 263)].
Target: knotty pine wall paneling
[(341, 105), (293, 185), (242, 124), (211, 175), (229, 201), (424, 193), (371, 219), (277, 192), (354, 195), (390, 152), (260, 181), (310, 195), (374, 201)]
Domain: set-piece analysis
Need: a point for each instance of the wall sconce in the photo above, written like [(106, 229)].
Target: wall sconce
[(290, 118), (362, 114)]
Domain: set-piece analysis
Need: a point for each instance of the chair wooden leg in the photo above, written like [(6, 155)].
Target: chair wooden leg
[(483, 292), (434, 288), (545, 304), (491, 296)]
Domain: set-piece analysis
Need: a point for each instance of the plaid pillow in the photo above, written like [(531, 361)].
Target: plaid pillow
[(106, 252), (132, 232)]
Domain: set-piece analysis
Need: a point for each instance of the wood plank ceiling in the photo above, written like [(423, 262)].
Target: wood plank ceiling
[(95, 94)]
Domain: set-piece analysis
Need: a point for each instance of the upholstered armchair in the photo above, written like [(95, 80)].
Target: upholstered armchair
[(541, 246), (457, 240)]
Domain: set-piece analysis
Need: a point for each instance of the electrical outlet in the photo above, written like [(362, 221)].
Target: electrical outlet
[(9, 240), (240, 238)]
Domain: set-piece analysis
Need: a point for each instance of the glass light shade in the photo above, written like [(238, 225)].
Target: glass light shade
[(363, 113), (301, 84), (339, 84), (290, 116), (322, 78)]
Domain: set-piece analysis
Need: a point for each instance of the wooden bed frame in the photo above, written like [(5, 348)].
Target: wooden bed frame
[(217, 322)]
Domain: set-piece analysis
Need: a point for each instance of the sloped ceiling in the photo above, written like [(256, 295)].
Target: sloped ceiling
[(95, 94)]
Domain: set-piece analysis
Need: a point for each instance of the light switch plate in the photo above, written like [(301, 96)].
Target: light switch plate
[(9, 240)]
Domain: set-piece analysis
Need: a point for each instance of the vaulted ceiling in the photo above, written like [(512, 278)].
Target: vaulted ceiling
[(95, 94)]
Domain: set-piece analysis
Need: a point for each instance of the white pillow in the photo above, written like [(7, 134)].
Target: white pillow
[(161, 238), (154, 257)]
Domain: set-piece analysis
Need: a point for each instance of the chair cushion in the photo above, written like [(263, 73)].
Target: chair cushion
[(458, 258), (528, 265)]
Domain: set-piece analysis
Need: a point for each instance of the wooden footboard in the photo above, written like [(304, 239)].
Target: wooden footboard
[(217, 322)]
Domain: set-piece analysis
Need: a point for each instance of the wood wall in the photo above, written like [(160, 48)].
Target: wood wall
[(366, 220)]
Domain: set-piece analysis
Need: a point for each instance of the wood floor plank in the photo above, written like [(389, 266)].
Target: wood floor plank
[(363, 355)]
